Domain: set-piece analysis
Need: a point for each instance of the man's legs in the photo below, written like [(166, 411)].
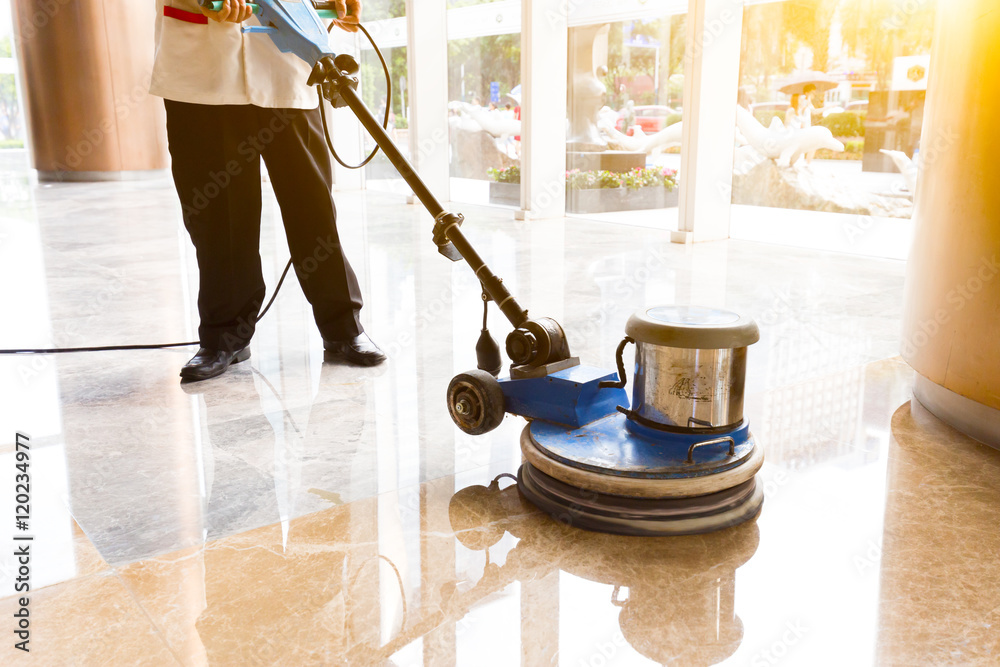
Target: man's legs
[(298, 163), (216, 170)]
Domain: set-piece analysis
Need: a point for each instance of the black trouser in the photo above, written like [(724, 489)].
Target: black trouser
[(216, 152)]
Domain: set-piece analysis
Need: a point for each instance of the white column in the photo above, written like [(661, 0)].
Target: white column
[(711, 79), (544, 32), (427, 90)]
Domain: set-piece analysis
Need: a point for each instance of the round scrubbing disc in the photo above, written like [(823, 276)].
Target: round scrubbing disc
[(655, 488), (592, 510)]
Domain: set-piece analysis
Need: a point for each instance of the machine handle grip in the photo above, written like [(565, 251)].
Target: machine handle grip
[(622, 379), (216, 5)]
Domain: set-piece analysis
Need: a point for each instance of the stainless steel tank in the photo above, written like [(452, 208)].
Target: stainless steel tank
[(690, 366)]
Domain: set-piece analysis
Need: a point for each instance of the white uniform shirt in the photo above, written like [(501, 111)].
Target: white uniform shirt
[(218, 64)]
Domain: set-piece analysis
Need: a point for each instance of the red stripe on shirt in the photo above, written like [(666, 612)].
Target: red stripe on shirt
[(180, 14)]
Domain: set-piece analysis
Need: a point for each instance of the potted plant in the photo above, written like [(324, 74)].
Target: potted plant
[(505, 186), (597, 191), (605, 191)]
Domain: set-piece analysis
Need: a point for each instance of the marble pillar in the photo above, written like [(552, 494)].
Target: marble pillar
[(85, 69), (952, 302)]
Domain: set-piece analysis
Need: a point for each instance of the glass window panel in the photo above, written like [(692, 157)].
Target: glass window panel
[(386, 21), (378, 10), (625, 81), (11, 116), (484, 109), (832, 96)]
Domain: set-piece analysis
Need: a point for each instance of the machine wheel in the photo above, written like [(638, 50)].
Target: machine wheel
[(475, 402)]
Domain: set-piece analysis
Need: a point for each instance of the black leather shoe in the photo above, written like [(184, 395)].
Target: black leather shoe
[(210, 363), (358, 350)]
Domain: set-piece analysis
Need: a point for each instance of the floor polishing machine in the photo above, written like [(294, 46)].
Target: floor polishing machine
[(678, 459)]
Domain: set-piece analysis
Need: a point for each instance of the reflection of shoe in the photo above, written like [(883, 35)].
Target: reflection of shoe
[(209, 363), (358, 350)]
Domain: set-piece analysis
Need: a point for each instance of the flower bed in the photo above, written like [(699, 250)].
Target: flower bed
[(853, 150), (597, 191)]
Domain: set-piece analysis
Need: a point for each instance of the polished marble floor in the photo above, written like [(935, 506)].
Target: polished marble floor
[(297, 511)]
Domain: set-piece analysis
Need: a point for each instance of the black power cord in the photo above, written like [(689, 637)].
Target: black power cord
[(277, 288), (151, 346), (385, 119)]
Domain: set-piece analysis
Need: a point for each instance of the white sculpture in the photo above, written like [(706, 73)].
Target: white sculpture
[(492, 121), (785, 145), (588, 55), (668, 137), (464, 123), (640, 142), (606, 117), (907, 167)]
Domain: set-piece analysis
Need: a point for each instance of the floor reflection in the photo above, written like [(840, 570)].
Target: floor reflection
[(267, 452), (485, 579), (938, 553), (676, 596)]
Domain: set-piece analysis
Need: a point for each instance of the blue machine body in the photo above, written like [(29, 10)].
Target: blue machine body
[(294, 27), (577, 422), (571, 397)]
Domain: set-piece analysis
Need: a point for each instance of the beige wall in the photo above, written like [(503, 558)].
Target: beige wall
[(951, 329), (85, 71)]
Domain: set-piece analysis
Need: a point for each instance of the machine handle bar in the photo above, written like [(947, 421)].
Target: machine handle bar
[(450, 228), (216, 5)]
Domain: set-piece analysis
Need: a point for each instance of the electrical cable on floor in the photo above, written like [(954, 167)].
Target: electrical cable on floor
[(277, 288), (151, 346)]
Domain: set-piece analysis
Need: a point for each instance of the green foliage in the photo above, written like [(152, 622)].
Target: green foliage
[(853, 150), (376, 10), (854, 146), (764, 117), (808, 22), (633, 180), (402, 123), (11, 143), (600, 180), (768, 49), (591, 180), (373, 79), (672, 118), (880, 31), (485, 59), (670, 32), (844, 124), (510, 174), (613, 81), (641, 178), (874, 30)]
